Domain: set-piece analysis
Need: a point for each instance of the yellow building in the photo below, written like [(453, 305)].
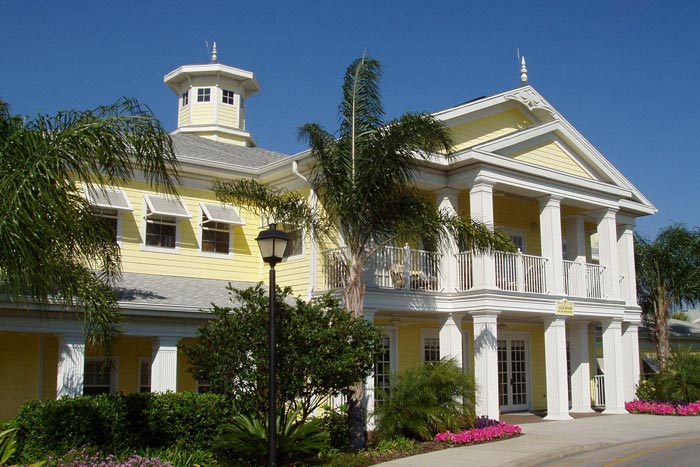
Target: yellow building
[(513, 320)]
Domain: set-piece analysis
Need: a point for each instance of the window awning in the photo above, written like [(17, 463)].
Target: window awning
[(222, 213), (166, 206), (109, 198)]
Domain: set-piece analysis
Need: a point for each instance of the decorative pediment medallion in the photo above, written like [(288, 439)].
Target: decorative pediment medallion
[(530, 99)]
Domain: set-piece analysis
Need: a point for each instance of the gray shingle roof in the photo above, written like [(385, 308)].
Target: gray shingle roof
[(196, 147), (170, 291)]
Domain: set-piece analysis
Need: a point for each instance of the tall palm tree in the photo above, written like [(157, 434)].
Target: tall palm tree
[(668, 276), (362, 177), (53, 247)]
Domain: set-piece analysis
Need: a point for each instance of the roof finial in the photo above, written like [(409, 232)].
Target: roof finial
[(523, 71), (213, 53)]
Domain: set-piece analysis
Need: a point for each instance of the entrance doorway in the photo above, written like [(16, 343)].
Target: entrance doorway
[(513, 372)]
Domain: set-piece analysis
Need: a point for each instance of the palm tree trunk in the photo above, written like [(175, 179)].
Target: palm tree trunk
[(354, 293), (663, 345)]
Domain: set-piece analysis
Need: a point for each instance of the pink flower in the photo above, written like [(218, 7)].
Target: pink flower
[(479, 435)]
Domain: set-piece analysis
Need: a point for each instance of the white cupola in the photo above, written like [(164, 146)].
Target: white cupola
[(211, 100)]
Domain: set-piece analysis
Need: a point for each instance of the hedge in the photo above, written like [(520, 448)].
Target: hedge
[(118, 423)]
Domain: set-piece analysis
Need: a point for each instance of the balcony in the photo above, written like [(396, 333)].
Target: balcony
[(417, 270)]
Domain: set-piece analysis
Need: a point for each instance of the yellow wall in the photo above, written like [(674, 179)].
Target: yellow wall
[(520, 214), (551, 155), (488, 128), (19, 369), (228, 115)]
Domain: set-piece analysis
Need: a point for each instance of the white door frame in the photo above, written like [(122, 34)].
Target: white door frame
[(525, 336)]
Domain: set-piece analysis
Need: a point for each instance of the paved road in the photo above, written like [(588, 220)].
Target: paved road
[(614, 440), (677, 451)]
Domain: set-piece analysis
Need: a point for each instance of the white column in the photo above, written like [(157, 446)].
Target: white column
[(555, 368), (612, 361), (164, 364), (368, 401), (625, 256), (486, 364), (607, 249), (313, 255), (447, 202), (451, 338), (575, 239), (550, 236), (630, 347), (71, 365), (580, 367), (481, 209)]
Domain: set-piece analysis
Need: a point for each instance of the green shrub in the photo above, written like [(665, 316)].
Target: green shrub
[(646, 390), (244, 440), (336, 424), (119, 423), (681, 382), (425, 400)]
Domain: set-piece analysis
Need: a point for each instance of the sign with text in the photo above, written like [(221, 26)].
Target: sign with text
[(565, 307)]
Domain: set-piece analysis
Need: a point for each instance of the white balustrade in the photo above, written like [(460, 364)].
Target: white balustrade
[(465, 271), (599, 395), (583, 279), (520, 273)]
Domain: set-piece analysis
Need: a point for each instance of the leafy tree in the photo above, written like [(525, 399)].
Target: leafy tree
[(362, 177), (426, 400), (668, 276), (320, 349), (52, 245)]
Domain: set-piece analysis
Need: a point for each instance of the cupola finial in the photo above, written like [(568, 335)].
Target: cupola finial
[(213, 53), (523, 72)]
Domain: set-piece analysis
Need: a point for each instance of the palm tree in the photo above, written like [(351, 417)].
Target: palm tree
[(362, 177), (668, 276), (53, 247)]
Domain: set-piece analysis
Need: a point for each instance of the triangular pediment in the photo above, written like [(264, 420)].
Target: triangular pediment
[(527, 133)]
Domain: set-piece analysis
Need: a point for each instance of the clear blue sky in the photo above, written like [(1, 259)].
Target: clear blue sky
[(625, 73)]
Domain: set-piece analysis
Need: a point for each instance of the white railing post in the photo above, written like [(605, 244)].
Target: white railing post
[(519, 272), (407, 266)]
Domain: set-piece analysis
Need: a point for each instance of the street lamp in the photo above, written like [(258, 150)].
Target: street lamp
[(272, 243)]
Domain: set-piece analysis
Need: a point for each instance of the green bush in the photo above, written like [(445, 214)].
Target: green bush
[(681, 382), (336, 424), (118, 423), (646, 390), (425, 400), (243, 442)]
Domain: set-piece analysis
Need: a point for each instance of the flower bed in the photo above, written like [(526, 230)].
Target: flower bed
[(663, 408), (499, 430)]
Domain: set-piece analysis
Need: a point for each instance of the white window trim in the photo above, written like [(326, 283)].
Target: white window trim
[(392, 333), (517, 232), (113, 373), (119, 221), (525, 335), (120, 209), (212, 95), (213, 254), (141, 361), (144, 225), (182, 105), (235, 96), (427, 333)]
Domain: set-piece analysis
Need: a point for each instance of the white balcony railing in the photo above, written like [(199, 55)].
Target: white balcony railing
[(520, 273), (465, 271), (599, 395), (583, 279), (334, 269)]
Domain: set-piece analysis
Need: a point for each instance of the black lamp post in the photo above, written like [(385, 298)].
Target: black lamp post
[(272, 243)]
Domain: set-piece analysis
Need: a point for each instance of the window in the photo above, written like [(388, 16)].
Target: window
[(430, 345), (161, 231), (295, 246), (518, 237), (217, 220), (203, 386), (185, 98), (228, 97), (144, 374), (108, 203), (385, 365), (161, 221), (98, 378), (203, 94), (595, 246), (110, 219)]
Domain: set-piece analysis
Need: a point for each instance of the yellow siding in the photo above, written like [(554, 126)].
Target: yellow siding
[(409, 345), (520, 214), (488, 128), (202, 113), (185, 380), (552, 156), (463, 203), (19, 371), (228, 115), (183, 116), (129, 350)]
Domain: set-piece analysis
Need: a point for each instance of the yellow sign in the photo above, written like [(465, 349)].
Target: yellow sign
[(565, 307)]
